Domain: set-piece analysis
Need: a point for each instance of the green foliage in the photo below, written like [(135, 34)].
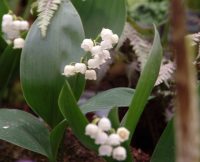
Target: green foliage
[(56, 136), (3, 10), (71, 111), (22, 129), (98, 14), (165, 148), (43, 61), (9, 64), (146, 12), (116, 97), (144, 86)]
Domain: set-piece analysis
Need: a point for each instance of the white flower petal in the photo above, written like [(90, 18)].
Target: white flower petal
[(104, 124), (80, 68), (90, 75), (91, 130), (123, 133), (18, 43), (119, 153), (105, 150), (101, 138), (87, 44)]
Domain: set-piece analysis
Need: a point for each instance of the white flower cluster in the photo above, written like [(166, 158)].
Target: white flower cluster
[(109, 142), (99, 54), (12, 28)]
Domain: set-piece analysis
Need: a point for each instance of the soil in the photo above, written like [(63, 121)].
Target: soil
[(73, 151)]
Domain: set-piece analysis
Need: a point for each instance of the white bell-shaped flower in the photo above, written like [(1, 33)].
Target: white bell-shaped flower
[(123, 134), (119, 153), (17, 24), (80, 68), (93, 64), (6, 26), (104, 124), (106, 34), (18, 43), (101, 138), (7, 18), (91, 130), (13, 34), (106, 54), (87, 45), (113, 140), (105, 150), (100, 59), (24, 25), (115, 39), (90, 75), (106, 44), (96, 50), (69, 70)]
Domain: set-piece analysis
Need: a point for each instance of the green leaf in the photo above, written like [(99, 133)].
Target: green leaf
[(3, 45), (77, 84), (116, 97), (43, 61), (3, 10), (9, 63), (98, 14), (24, 130), (165, 148), (144, 87), (114, 117), (76, 119), (56, 137)]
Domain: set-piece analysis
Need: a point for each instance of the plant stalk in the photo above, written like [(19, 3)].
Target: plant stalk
[(187, 113)]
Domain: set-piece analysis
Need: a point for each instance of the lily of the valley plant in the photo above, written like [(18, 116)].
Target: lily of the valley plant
[(63, 49)]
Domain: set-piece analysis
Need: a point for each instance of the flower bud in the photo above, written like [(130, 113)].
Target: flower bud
[(101, 138), (80, 68), (91, 130), (114, 140), (105, 150), (90, 75), (104, 124), (69, 70), (18, 43), (123, 134), (119, 153), (87, 45), (106, 34)]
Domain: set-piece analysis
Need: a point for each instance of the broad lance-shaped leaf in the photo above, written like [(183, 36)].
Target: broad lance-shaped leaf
[(98, 14), (165, 148), (56, 136), (116, 97), (75, 118), (43, 61), (144, 86), (24, 130)]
